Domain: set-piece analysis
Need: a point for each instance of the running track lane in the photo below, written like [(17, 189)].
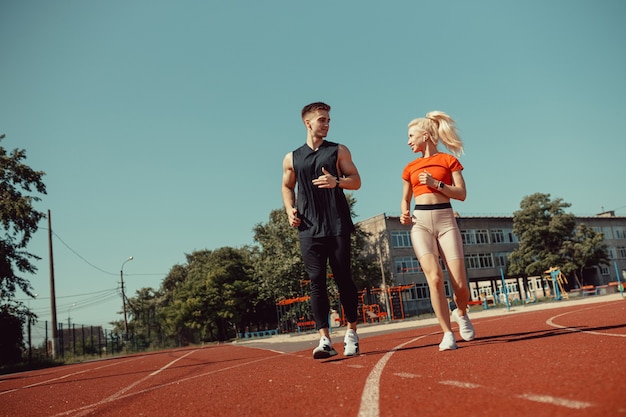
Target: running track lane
[(556, 362)]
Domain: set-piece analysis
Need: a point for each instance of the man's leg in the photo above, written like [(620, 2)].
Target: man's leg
[(340, 261), (314, 256)]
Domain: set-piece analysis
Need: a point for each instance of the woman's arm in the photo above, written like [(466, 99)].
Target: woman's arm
[(405, 204)]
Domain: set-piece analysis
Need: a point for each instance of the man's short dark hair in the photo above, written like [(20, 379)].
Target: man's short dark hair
[(314, 107)]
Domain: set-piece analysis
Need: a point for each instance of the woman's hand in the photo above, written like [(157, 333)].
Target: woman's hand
[(426, 178), (405, 218)]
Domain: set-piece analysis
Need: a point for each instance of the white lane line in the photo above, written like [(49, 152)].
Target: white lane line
[(460, 384), (171, 363), (370, 400), (87, 409), (59, 378), (406, 375), (124, 390), (550, 322), (562, 402)]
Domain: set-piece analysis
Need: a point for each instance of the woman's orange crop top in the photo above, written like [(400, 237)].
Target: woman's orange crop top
[(441, 166)]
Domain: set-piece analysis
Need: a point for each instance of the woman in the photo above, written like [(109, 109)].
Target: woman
[(433, 180)]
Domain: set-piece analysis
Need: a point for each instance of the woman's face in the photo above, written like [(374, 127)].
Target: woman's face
[(416, 139)]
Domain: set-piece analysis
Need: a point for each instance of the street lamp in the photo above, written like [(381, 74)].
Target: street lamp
[(130, 258), (68, 315), (70, 334)]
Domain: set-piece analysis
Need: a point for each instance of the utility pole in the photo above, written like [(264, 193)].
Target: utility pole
[(130, 258), (53, 302)]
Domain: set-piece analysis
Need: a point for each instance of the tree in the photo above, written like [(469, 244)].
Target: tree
[(19, 221), (548, 237), (278, 265), (144, 323), (12, 340), (210, 296), (585, 250)]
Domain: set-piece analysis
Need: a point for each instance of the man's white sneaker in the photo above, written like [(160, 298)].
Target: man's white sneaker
[(466, 329), (324, 349), (350, 343), (448, 342)]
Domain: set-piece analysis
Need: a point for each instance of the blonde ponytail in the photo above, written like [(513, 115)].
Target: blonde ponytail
[(441, 126)]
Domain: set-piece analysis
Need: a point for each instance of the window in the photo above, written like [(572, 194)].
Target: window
[(485, 259), (510, 236), (621, 252), (501, 259), (407, 265), (497, 236), (611, 252), (401, 238), (478, 261), (468, 237), (620, 233), (606, 232), (471, 261), (421, 291), (482, 236), (604, 270)]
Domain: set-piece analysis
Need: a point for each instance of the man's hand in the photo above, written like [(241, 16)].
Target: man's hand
[(294, 220), (326, 180)]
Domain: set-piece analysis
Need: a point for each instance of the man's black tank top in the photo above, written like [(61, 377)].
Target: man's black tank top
[(322, 211)]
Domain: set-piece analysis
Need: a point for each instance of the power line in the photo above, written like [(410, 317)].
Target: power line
[(68, 296), (92, 265), (79, 255)]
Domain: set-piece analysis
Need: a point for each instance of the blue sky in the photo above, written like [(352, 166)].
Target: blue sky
[(162, 125)]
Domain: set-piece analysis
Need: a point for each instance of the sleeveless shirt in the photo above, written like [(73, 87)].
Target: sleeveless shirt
[(323, 211)]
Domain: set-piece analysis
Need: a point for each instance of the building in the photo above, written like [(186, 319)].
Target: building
[(487, 241)]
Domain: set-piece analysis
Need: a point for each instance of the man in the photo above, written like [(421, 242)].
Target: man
[(321, 213)]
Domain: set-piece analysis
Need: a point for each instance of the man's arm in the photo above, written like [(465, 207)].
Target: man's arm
[(288, 190), (348, 173)]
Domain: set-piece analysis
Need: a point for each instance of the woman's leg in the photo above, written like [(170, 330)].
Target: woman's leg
[(434, 275), (451, 246), (456, 270)]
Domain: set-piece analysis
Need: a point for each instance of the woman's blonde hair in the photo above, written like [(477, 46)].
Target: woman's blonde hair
[(440, 126)]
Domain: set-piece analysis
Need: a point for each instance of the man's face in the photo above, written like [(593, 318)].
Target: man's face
[(318, 123)]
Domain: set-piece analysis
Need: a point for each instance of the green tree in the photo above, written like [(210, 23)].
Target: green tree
[(144, 322), (213, 298), (12, 340), (18, 183), (541, 226), (549, 237), (585, 250), (278, 265)]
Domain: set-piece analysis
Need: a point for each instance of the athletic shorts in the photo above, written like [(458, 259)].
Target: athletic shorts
[(435, 231)]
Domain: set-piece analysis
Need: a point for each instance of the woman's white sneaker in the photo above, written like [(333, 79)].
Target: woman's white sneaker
[(448, 342), (466, 329)]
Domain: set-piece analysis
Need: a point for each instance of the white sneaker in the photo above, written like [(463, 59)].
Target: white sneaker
[(350, 343), (448, 342), (466, 329), (324, 349)]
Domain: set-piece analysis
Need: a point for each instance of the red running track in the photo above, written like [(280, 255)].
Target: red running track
[(563, 361)]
